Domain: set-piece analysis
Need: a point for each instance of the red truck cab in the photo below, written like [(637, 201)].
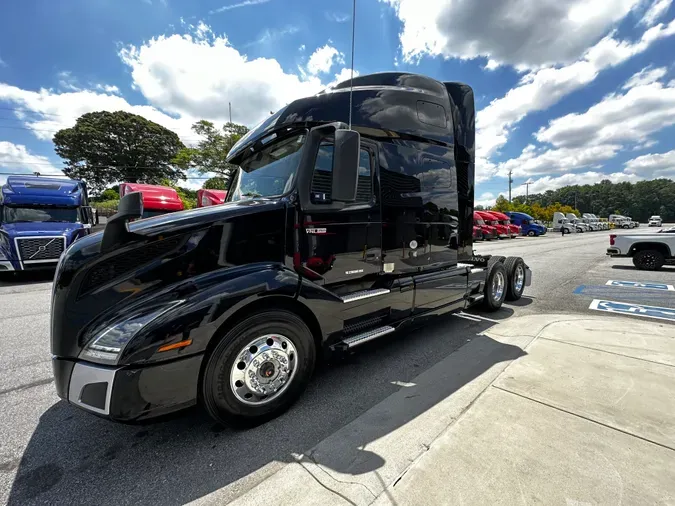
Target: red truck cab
[(156, 199), (514, 230), (503, 231), (210, 197), (487, 231)]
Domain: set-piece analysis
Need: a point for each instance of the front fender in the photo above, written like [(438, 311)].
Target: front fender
[(207, 302)]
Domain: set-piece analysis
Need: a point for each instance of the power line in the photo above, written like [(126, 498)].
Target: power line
[(63, 175)]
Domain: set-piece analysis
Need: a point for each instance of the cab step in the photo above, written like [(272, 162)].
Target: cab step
[(364, 294), (364, 337)]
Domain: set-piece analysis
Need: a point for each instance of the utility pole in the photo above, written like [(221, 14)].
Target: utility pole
[(230, 106), (510, 181), (527, 190)]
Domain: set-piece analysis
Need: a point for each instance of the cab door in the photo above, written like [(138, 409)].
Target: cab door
[(343, 247)]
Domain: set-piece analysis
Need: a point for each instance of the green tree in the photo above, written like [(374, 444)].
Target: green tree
[(216, 183), (212, 149), (107, 147), (109, 194)]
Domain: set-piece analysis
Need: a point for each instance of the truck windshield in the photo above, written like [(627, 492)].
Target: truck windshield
[(12, 214), (479, 222), (270, 171)]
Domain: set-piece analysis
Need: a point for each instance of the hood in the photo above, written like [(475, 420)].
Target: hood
[(172, 255), (40, 228)]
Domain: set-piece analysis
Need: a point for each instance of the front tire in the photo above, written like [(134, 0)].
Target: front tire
[(495, 287), (259, 368), (648, 260), (531, 233)]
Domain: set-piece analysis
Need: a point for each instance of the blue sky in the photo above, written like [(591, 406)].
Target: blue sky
[(568, 91)]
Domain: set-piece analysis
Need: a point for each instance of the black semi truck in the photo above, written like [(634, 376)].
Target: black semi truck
[(330, 237)]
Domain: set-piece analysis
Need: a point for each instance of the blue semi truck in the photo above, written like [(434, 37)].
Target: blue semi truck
[(527, 224), (39, 218)]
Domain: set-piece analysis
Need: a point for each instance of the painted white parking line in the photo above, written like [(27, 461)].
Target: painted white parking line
[(462, 315), (485, 318), (638, 284), (659, 313)]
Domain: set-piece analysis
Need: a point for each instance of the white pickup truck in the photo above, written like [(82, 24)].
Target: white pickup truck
[(648, 251)]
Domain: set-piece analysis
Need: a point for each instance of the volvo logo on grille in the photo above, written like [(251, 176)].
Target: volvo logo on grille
[(41, 248)]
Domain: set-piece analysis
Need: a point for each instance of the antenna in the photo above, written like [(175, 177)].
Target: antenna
[(351, 79)]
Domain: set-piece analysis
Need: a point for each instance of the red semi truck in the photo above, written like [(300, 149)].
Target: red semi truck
[(156, 199), (503, 231), (210, 197), (514, 230), (487, 231)]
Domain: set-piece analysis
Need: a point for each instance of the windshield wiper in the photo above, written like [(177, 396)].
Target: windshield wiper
[(251, 194)]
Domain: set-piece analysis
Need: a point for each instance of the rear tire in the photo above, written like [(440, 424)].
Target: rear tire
[(648, 260), (495, 259), (268, 350), (515, 271), (495, 287)]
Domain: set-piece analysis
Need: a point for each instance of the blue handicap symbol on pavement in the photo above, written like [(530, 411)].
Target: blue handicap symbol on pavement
[(660, 313), (637, 284)]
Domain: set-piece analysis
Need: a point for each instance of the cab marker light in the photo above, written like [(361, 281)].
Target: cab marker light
[(175, 346)]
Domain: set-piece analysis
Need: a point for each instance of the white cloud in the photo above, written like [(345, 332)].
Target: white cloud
[(647, 75), (487, 199), (198, 76), (344, 75), (67, 81), (272, 35), (546, 183), (652, 166), (2, 63), (617, 119), (302, 47), (656, 10), (107, 88), (337, 17), (238, 5), (17, 159), (515, 32), (46, 111), (323, 59), (536, 161), (539, 90)]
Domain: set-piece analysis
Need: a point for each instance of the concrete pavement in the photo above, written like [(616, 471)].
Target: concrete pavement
[(572, 410)]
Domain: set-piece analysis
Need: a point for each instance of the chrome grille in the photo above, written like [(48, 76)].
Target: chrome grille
[(33, 249)]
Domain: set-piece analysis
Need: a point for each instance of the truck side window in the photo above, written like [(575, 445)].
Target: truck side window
[(322, 178)]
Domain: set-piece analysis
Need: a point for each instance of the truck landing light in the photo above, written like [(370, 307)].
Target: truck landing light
[(611, 239), (175, 346)]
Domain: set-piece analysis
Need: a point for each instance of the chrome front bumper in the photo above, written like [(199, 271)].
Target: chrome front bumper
[(6, 266)]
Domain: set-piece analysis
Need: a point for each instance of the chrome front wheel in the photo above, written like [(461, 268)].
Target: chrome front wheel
[(264, 368)]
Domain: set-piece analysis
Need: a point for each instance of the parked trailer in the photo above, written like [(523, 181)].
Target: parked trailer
[(39, 218), (224, 306)]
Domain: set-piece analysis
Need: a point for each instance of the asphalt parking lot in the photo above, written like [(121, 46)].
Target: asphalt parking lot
[(53, 453)]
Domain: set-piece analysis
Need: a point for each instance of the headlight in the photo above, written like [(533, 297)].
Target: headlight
[(107, 346), (4, 247)]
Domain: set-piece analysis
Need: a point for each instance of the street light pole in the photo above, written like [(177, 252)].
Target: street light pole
[(527, 190), (510, 181)]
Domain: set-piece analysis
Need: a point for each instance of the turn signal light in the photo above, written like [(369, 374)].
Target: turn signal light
[(611, 239), (175, 346)]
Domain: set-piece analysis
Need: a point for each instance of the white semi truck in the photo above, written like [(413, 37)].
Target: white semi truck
[(574, 220), (561, 222)]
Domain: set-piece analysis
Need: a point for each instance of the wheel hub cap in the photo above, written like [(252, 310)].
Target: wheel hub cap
[(520, 278), (498, 286), (263, 369)]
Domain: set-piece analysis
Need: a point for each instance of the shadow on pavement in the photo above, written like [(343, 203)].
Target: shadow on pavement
[(501, 314), (522, 302), (74, 457), (26, 277)]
